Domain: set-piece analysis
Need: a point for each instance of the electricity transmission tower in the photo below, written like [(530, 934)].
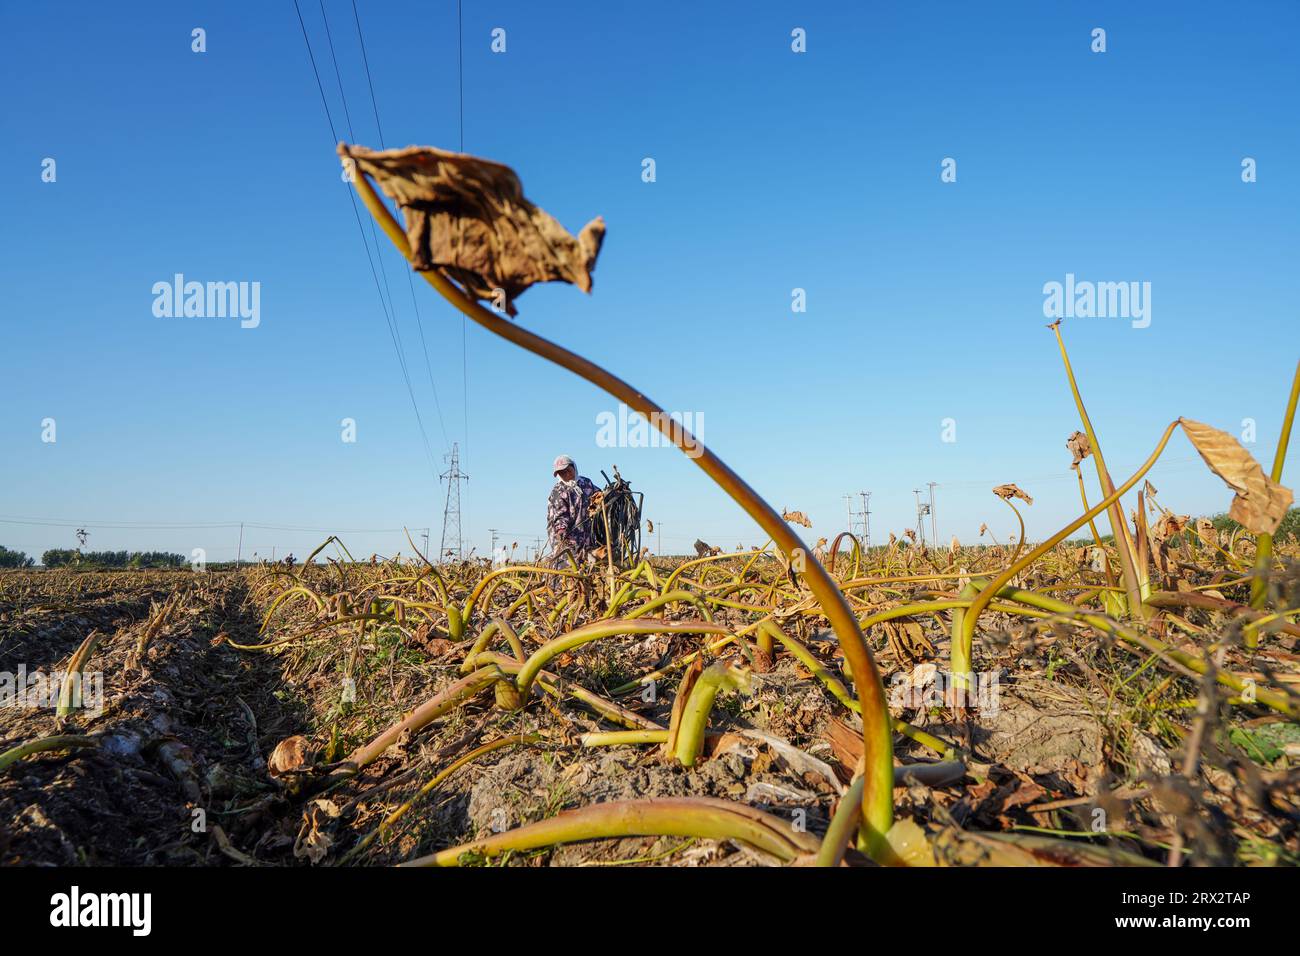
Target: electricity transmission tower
[(451, 540), (864, 539)]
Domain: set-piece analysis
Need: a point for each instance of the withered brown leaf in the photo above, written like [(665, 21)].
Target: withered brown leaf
[(1259, 503), (1079, 447), (797, 517), (469, 217), (1010, 491), (1168, 525)]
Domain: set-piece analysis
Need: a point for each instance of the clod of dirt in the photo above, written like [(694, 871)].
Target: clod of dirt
[(1042, 728)]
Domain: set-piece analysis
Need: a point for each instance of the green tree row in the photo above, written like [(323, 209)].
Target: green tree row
[(14, 559), (66, 557)]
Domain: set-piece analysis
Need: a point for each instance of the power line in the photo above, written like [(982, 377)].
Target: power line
[(395, 329), (401, 360), (415, 304), (464, 322)]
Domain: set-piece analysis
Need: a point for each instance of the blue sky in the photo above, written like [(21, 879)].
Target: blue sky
[(774, 171)]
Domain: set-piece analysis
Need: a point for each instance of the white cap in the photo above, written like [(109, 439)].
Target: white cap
[(561, 463)]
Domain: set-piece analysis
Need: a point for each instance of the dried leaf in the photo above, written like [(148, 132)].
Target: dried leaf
[(1011, 491), (1168, 525), (1260, 503), (796, 517), (313, 842), (468, 216), (1079, 447), (1205, 529)]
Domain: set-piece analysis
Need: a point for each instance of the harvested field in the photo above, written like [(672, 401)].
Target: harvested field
[(256, 717)]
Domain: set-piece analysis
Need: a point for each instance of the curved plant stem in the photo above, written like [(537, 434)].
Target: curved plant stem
[(619, 738), (1020, 544), (703, 817), (695, 718), (844, 822), (44, 744), (878, 805), (600, 629)]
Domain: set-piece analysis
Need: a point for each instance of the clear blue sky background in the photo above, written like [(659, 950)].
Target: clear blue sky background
[(775, 171)]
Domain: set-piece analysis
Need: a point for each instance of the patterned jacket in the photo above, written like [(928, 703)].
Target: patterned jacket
[(567, 524)]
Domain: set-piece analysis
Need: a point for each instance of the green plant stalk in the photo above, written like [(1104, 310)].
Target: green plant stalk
[(619, 738), (496, 625), (1092, 527), (702, 817), (44, 744), (1264, 543), (959, 655), (707, 559), (601, 629), (1020, 544), (1135, 577), (997, 584), (695, 719), (844, 822), (877, 739), (686, 597)]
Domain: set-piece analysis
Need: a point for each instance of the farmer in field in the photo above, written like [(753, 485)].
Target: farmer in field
[(568, 521)]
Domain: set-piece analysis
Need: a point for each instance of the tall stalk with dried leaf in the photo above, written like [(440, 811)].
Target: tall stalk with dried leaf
[(877, 724)]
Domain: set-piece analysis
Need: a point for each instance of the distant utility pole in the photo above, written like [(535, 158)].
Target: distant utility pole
[(921, 511), (239, 555), (659, 539), (934, 532), (424, 536), (451, 539)]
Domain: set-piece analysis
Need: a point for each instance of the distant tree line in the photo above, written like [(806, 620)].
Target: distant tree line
[(67, 557), (14, 559)]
